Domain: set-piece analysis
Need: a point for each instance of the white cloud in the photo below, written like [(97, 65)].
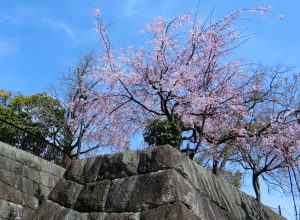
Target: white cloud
[(59, 25)]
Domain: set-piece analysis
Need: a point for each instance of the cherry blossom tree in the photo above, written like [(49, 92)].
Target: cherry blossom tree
[(187, 74), (271, 147), (270, 152), (184, 74), (74, 96)]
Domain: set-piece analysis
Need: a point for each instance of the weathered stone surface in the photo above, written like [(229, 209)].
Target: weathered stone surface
[(9, 210), (119, 165), (227, 197), (115, 216), (54, 211), (50, 211), (91, 169), (97, 216), (165, 157), (27, 213), (206, 209), (173, 211), (10, 165), (52, 169), (75, 171), (205, 182), (65, 192), (93, 197), (10, 178), (10, 194), (160, 158), (25, 181), (8, 151), (30, 201), (28, 186), (42, 193), (123, 216), (28, 159), (31, 173), (151, 184), (48, 180), (69, 214), (140, 192), (144, 165)]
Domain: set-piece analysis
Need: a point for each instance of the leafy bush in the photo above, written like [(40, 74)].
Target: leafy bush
[(161, 132)]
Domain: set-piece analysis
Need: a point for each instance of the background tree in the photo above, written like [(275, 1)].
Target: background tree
[(62, 120), (33, 113), (4, 97), (272, 140), (76, 94)]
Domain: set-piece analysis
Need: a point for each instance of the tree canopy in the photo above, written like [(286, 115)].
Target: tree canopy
[(187, 74), (34, 115)]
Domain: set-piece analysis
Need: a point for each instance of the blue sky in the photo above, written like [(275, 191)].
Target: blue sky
[(40, 39)]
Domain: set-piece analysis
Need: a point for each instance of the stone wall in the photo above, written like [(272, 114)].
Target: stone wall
[(25, 181), (147, 185)]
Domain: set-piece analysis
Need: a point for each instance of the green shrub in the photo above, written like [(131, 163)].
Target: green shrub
[(161, 132)]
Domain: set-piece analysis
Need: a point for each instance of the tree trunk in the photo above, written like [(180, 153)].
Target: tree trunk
[(78, 149), (79, 142), (67, 160), (215, 160), (215, 166), (256, 187)]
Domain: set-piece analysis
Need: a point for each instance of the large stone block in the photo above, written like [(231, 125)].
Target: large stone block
[(28, 186), (10, 194), (10, 165), (30, 201), (165, 157), (119, 165), (10, 178), (42, 193), (31, 173), (7, 151), (136, 193), (28, 159), (52, 168), (75, 171), (48, 180), (206, 183), (50, 211), (25, 181), (93, 196), (144, 165), (91, 169), (174, 211), (160, 158), (65, 193)]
